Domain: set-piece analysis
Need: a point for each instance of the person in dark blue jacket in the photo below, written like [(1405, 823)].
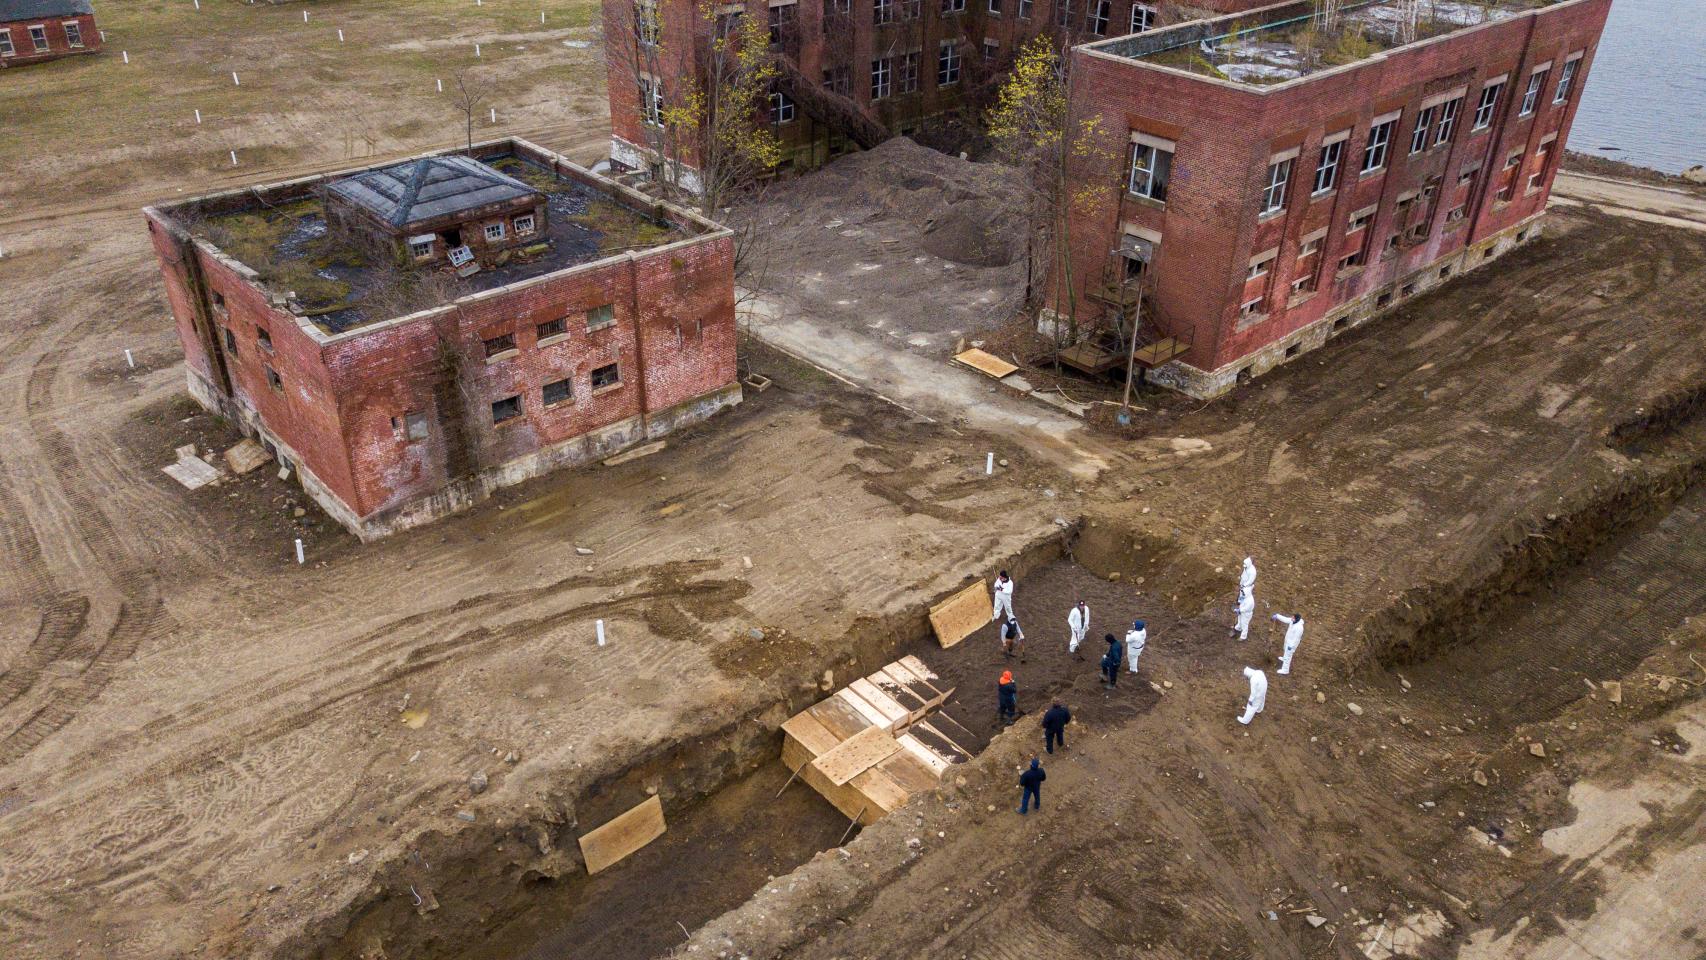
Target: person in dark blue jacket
[(1111, 662), (1006, 698), (1054, 726), (1032, 782)]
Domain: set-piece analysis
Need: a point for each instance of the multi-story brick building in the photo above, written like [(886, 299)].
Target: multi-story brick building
[(35, 30), (1273, 183), (399, 387), (852, 70)]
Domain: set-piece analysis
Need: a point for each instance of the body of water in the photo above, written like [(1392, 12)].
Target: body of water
[(1646, 91)]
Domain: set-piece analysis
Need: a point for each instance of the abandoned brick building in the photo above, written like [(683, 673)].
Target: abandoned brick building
[(409, 338), (1277, 181), (852, 71), (35, 30)]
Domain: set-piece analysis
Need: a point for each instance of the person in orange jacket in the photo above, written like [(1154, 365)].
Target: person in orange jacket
[(1006, 698)]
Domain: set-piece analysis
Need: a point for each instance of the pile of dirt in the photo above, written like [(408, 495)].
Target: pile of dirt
[(963, 212)]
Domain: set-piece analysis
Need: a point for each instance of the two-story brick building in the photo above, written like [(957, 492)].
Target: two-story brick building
[(1280, 181), (400, 387), (35, 30), (888, 66)]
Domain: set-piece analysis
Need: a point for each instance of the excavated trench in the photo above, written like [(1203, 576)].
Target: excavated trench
[(516, 889)]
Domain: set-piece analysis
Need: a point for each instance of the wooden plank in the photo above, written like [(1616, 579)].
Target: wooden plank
[(915, 706), (955, 618), (917, 686), (987, 364), (935, 762), (898, 716), (870, 713), (838, 717), (857, 755), (804, 739), (938, 742), (884, 795), (246, 455), (909, 773), (623, 835), (919, 670), (1160, 352)]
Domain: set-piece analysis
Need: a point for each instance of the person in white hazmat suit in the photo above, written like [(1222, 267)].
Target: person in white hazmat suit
[(1135, 638), (1247, 579), (1258, 695), (1293, 637), (1244, 610), (1003, 599), (1078, 622)]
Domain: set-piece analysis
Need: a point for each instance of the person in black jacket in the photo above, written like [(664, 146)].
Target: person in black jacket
[(1111, 661), (1032, 783), (1006, 698), (1054, 726)]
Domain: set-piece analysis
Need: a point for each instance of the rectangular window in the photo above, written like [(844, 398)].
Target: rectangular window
[(1096, 13), (1151, 162), (646, 24), (506, 409), (1513, 159), (551, 328), (1063, 13), (606, 376), (1327, 167), (1424, 126), (838, 80), (6, 48), (953, 6), (1279, 176), (557, 391), (1447, 120), (1534, 180), (1489, 101), (781, 22), (909, 64), (73, 33), (415, 425), (1025, 9), (494, 231), (600, 317), (883, 11), (420, 248), (1379, 142), (524, 224), (781, 107), (1259, 267), (38, 36), (1531, 96), (230, 340), (948, 64), (263, 338), (651, 101), (1309, 248), (881, 79), (1455, 213), (1251, 308), (1353, 259), (1566, 79), (1142, 17), (499, 345), (1503, 195), (995, 7), (1303, 284), (1360, 219), (991, 48), (274, 380)]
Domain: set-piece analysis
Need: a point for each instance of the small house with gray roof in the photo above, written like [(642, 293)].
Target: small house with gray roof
[(32, 31), (432, 209)]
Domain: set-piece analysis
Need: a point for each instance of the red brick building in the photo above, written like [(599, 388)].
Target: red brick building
[(1267, 198), (398, 392), (894, 64), (35, 30)]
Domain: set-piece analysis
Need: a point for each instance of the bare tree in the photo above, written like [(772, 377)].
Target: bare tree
[(470, 94)]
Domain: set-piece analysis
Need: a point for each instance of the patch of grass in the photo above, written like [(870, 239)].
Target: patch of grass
[(533, 176), (254, 237), (622, 229), (1351, 46)]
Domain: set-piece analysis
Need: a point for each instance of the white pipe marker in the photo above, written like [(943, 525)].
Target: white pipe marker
[(233, 158), (126, 55), (600, 624), (989, 464), (128, 359), (340, 36), (234, 81), (299, 550), (441, 86), (198, 116), (476, 49), (494, 114)]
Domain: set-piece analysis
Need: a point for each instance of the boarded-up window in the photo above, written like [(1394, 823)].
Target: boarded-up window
[(416, 424), (600, 317)]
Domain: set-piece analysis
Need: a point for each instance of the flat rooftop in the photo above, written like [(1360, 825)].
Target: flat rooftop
[(1287, 41), (342, 284)]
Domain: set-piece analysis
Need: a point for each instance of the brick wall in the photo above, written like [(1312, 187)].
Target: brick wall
[(1211, 224), (58, 39)]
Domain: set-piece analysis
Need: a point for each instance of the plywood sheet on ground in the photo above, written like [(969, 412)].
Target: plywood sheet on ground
[(955, 618), (246, 456), (622, 836), (897, 715), (856, 755), (987, 364), (193, 472)]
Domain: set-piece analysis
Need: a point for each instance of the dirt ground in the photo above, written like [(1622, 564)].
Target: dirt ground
[(1487, 504)]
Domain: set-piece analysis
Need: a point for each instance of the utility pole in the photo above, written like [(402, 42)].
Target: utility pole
[(1131, 357)]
